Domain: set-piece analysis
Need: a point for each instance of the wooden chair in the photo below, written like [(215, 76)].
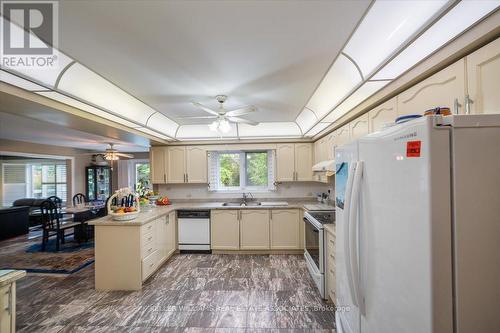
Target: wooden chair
[(79, 198), (52, 224)]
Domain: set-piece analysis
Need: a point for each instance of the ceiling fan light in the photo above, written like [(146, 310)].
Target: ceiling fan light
[(214, 126), (224, 126)]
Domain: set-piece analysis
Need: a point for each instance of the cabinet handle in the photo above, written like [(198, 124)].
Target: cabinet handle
[(164, 178), (456, 106), (271, 212), (187, 178), (468, 102)]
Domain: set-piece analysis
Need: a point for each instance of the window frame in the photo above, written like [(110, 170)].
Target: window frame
[(243, 172)]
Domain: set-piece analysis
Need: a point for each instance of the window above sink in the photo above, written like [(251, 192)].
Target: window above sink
[(241, 171)]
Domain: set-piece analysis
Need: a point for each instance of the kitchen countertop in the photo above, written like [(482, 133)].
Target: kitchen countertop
[(8, 276), (147, 216)]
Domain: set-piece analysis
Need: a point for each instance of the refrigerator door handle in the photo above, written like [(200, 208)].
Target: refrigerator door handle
[(354, 231), (347, 205)]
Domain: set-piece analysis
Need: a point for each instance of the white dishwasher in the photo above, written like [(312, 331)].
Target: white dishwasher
[(194, 230)]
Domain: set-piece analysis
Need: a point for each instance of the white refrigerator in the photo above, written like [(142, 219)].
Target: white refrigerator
[(418, 228)]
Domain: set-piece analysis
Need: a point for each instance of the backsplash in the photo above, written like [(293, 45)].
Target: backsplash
[(285, 190)]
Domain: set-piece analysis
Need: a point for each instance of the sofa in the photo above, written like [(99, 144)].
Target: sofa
[(14, 221), (33, 204)]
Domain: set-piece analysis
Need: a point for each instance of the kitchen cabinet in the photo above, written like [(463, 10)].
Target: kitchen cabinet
[(127, 255), (294, 162), (386, 113), (285, 229), (254, 229), (359, 127), (158, 163), (285, 162), (8, 299), (187, 165), (321, 150), (330, 146), (196, 165), (303, 162), (330, 263), (445, 88), (225, 229), (166, 234), (176, 165), (343, 136), (483, 79)]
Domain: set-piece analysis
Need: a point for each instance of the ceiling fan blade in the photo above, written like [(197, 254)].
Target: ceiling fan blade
[(124, 155), (204, 108), (243, 121), (200, 117), (241, 111)]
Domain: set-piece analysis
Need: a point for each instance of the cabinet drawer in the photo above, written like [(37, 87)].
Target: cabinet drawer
[(148, 247), (147, 228), (149, 264)]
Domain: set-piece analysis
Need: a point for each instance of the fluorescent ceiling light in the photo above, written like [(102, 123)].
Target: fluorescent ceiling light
[(85, 107), (201, 131), (153, 133), (83, 83), (365, 91), (457, 20), (45, 74), (19, 82), (270, 129), (340, 80), (386, 27), (318, 128), (162, 124), (306, 119)]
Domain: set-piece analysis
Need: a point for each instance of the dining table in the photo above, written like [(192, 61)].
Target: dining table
[(83, 213)]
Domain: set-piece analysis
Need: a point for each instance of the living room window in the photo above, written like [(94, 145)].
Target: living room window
[(33, 180), (239, 171)]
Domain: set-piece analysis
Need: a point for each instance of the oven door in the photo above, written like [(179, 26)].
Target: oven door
[(314, 244)]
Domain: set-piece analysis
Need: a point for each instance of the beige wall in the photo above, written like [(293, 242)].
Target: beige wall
[(76, 177)]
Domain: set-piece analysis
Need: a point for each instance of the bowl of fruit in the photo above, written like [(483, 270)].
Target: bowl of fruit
[(162, 201), (128, 208)]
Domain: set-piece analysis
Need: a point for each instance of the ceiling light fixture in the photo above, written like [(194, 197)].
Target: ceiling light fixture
[(220, 125)]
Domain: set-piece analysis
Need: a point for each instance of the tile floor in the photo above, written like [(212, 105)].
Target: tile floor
[(190, 293)]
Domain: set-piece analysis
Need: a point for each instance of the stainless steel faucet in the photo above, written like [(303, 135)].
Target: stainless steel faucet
[(245, 197)]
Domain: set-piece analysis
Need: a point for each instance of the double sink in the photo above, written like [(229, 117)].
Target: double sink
[(241, 204)]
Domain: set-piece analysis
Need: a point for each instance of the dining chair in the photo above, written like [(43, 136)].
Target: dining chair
[(52, 224), (79, 198)]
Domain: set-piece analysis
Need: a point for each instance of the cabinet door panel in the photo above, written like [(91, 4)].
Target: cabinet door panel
[(343, 135), (303, 161), (254, 229), (225, 230), (285, 162), (196, 165), (176, 165), (359, 127), (158, 156), (330, 146), (445, 88), (385, 113), (483, 78), (285, 231)]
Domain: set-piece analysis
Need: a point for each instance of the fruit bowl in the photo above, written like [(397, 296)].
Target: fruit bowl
[(126, 213)]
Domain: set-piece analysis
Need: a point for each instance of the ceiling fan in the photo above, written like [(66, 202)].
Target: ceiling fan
[(111, 154), (223, 117)]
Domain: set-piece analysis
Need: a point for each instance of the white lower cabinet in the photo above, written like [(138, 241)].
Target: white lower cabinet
[(125, 256), (330, 265), (254, 229), (285, 229), (225, 229)]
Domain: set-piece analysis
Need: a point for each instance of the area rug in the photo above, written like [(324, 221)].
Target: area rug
[(26, 254)]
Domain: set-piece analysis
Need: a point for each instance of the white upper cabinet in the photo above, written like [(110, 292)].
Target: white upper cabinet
[(196, 165), (343, 135), (285, 162), (445, 89), (303, 162), (385, 113), (359, 127), (176, 165), (158, 162), (483, 79)]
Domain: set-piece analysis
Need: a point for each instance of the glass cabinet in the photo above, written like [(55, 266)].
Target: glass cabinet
[(98, 182)]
